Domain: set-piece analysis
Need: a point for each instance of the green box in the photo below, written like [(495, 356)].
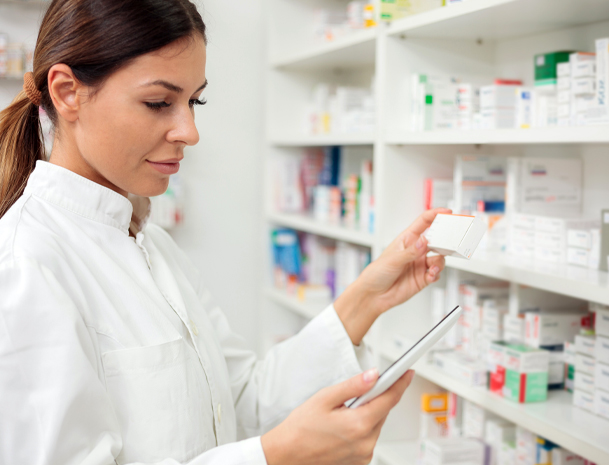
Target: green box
[(526, 374), (545, 64)]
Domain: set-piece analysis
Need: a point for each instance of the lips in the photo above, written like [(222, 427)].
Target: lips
[(166, 166)]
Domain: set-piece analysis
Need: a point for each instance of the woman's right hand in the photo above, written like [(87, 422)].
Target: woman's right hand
[(322, 431)]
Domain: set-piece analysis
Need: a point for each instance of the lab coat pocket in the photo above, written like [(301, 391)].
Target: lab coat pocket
[(161, 400)]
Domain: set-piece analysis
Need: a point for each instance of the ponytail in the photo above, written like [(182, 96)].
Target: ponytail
[(21, 145)]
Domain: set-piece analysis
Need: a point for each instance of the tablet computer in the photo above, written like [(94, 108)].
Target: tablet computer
[(405, 362)]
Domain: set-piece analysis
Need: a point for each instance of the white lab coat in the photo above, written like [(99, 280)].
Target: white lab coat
[(112, 352)]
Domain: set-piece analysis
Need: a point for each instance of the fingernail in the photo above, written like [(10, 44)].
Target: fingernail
[(434, 270), (371, 375), (420, 243)]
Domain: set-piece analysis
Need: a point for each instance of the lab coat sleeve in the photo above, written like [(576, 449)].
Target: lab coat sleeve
[(266, 391), (55, 410)]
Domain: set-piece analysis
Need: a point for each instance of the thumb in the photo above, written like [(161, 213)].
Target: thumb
[(335, 396)]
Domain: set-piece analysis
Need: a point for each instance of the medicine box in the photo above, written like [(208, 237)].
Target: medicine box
[(441, 451), (583, 86), (526, 446), (455, 235), (461, 367), (579, 257), (550, 329), (562, 456), (544, 451), (601, 403), (583, 400), (584, 364), (496, 366), (556, 371), (498, 97), (584, 382), (585, 345), (526, 374), (601, 377), (601, 350), (434, 402), (433, 425), (546, 64), (602, 322)]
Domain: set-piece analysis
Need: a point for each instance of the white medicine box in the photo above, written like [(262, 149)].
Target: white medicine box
[(455, 235)]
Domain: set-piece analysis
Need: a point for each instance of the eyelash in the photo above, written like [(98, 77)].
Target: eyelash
[(158, 106)]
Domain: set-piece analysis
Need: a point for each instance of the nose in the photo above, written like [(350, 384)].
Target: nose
[(185, 130)]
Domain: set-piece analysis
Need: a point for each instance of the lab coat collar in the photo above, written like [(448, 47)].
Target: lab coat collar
[(84, 197)]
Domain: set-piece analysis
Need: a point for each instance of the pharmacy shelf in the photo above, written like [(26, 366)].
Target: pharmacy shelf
[(354, 50), (290, 302), (322, 140), (397, 453), (500, 19), (556, 135), (555, 419), (307, 224), (569, 280)]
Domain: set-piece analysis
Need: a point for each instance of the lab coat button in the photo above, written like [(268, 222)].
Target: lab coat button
[(219, 413), (193, 327)]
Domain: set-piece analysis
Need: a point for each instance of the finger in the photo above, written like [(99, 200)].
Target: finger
[(399, 258), (335, 396), (424, 221), (435, 265), (379, 408)]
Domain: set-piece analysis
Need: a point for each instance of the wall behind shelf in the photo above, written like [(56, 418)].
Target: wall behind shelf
[(224, 213)]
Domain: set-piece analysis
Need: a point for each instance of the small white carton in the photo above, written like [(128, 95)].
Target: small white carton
[(580, 257), (602, 322), (601, 377), (601, 351), (455, 235), (562, 456), (601, 403), (584, 364), (584, 382), (549, 329), (585, 345), (583, 400)]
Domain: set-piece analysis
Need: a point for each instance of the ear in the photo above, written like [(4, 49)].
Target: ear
[(65, 91)]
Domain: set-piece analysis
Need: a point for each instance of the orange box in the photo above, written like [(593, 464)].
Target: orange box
[(434, 402)]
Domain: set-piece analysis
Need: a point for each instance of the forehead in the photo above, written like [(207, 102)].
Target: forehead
[(181, 60)]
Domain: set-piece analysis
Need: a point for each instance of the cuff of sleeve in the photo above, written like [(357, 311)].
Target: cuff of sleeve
[(252, 451), (345, 347), (246, 452)]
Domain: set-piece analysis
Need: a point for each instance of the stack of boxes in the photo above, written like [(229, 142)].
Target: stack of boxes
[(434, 415), (576, 88), (601, 352), (545, 105), (498, 105), (452, 451)]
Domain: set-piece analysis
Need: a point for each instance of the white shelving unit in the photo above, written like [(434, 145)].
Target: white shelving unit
[(478, 41)]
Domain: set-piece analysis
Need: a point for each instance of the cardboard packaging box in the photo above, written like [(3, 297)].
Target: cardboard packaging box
[(584, 382), (601, 377), (461, 367), (445, 451), (585, 345), (562, 456), (526, 373), (601, 349), (551, 329), (455, 235), (583, 400), (584, 364), (437, 402), (602, 322), (601, 403)]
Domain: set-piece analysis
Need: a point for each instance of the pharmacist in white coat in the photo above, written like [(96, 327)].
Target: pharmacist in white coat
[(111, 350)]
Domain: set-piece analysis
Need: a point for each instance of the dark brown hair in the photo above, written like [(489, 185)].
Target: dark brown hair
[(94, 38)]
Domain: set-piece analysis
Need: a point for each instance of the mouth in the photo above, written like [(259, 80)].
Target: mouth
[(166, 166)]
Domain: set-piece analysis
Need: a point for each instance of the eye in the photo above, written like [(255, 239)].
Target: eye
[(157, 106), (195, 101)]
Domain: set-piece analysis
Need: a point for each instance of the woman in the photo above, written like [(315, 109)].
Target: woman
[(110, 348)]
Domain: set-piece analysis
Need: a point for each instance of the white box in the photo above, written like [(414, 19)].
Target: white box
[(498, 96), (455, 235), (585, 345), (523, 221), (564, 110), (564, 97), (602, 72), (601, 351), (498, 118), (513, 329), (581, 238), (563, 69), (584, 69), (551, 254), (583, 400), (602, 322), (601, 377), (601, 403), (461, 367), (550, 329), (550, 240), (563, 83), (584, 382), (595, 249), (444, 451), (584, 364), (562, 456), (580, 257), (583, 86)]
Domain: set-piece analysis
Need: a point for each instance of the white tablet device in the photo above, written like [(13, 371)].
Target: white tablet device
[(405, 362)]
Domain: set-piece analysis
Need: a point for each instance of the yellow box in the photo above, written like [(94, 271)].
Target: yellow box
[(434, 402)]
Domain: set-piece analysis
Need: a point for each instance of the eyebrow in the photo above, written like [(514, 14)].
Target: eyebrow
[(172, 87)]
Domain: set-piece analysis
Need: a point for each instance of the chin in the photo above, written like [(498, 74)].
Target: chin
[(153, 188)]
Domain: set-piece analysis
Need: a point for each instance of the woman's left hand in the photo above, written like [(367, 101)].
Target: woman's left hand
[(402, 270)]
